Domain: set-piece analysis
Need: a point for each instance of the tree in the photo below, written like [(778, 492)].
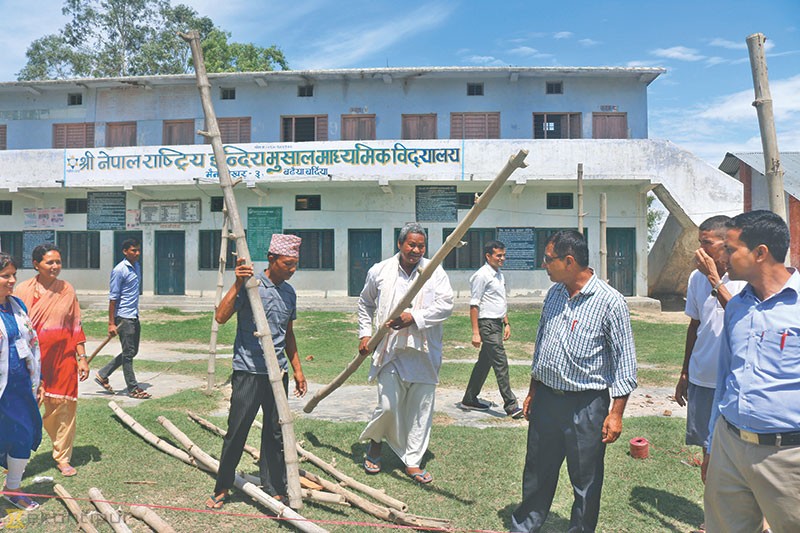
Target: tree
[(111, 38), (654, 216)]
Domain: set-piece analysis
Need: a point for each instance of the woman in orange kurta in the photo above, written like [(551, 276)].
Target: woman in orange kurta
[(56, 316)]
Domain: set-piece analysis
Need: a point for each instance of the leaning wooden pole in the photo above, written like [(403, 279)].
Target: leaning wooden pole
[(114, 519), (262, 327), (212, 345), (66, 498), (766, 123), (514, 162)]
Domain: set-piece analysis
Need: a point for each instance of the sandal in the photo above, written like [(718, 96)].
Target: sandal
[(103, 382), (139, 394), (423, 477), (372, 465), (216, 502), (21, 501), (66, 469)]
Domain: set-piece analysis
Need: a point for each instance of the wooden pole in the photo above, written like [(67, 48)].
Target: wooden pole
[(766, 123), (114, 519), (72, 506), (97, 350), (149, 517), (580, 198), (280, 510), (262, 326), (212, 345), (308, 494), (603, 244), (213, 428), (514, 162)]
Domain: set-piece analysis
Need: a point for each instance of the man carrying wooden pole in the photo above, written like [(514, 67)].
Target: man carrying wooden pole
[(262, 327)]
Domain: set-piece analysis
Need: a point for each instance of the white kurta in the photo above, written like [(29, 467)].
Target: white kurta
[(407, 377)]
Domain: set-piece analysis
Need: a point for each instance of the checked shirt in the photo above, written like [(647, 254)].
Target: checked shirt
[(585, 342)]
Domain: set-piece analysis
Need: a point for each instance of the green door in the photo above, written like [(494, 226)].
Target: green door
[(622, 259), (170, 262), (364, 249), (119, 238)]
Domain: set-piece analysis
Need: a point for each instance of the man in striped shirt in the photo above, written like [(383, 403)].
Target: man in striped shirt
[(584, 361)]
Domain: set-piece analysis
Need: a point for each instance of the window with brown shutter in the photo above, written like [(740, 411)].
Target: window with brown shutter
[(234, 130), (358, 127), (78, 135), (419, 126), (178, 132), (3, 137), (475, 125), (304, 128), (121, 134)]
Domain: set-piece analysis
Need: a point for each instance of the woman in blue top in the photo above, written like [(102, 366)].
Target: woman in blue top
[(20, 421)]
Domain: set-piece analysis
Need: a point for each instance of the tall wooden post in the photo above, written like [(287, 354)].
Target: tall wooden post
[(212, 345), (262, 326), (580, 197), (766, 123)]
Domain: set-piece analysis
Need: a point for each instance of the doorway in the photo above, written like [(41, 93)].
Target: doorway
[(170, 262), (622, 259), (364, 250)]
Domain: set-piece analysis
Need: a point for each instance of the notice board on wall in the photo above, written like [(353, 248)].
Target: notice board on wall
[(520, 248), (32, 239), (105, 210), (262, 222), (436, 203)]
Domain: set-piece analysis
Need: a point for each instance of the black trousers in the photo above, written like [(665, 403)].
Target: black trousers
[(492, 355), (251, 391), (563, 425), (128, 330)]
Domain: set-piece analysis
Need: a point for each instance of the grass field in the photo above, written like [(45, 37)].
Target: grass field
[(477, 471)]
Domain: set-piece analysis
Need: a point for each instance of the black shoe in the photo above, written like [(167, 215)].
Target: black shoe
[(477, 406)]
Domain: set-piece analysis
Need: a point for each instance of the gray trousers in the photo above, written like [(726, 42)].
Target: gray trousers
[(128, 331), (492, 355), (563, 425)]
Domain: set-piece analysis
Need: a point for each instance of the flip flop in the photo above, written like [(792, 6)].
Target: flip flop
[(67, 470), (376, 464), (423, 478), (21, 502), (103, 382), (215, 502)]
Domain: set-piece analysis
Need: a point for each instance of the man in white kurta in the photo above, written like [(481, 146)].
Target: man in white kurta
[(407, 360)]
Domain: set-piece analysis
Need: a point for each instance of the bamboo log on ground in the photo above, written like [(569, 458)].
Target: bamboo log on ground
[(114, 519), (212, 344), (149, 517), (162, 445), (378, 511), (263, 333), (284, 512), (213, 428), (75, 510), (514, 162), (348, 481), (308, 494)]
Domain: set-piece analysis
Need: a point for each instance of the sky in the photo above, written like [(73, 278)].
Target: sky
[(702, 103)]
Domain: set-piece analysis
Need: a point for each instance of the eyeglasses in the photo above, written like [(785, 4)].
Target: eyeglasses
[(548, 259)]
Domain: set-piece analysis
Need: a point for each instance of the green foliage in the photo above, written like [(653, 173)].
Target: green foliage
[(110, 38), (654, 217)]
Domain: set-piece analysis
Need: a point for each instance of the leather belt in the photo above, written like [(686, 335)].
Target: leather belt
[(770, 439)]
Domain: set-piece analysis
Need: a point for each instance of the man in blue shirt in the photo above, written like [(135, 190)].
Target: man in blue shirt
[(250, 383), (584, 363), (123, 318), (755, 421)]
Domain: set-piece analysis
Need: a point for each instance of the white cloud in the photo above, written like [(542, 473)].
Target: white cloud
[(350, 46), (730, 45), (527, 51), (738, 107), (589, 42), (562, 35), (486, 61), (716, 60), (680, 53), (642, 63)]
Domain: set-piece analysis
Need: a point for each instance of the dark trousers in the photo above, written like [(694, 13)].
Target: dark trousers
[(251, 391), (128, 330), (492, 355), (563, 425)]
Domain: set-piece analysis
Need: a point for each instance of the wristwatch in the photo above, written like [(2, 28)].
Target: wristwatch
[(715, 289)]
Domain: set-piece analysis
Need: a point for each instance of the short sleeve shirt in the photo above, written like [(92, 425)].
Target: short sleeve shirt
[(488, 292), (280, 305)]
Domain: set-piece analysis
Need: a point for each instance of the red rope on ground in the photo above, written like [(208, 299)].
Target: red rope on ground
[(246, 515)]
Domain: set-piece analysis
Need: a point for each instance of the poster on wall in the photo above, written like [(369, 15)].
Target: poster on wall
[(105, 210), (436, 203), (132, 217), (520, 248), (169, 212), (49, 217), (262, 222), (32, 239)]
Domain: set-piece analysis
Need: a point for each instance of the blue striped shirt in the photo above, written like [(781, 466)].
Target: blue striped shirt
[(585, 342)]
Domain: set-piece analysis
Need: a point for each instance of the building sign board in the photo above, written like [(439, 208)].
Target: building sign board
[(520, 248), (436, 203), (106, 210), (262, 222)]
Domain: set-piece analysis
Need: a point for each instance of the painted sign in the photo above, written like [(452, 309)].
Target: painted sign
[(436, 203), (32, 239), (105, 210), (520, 248), (262, 222), (169, 212)]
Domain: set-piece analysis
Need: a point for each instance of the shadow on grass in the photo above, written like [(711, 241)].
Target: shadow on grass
[(554, 522), (665, 507), (81, 456)]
